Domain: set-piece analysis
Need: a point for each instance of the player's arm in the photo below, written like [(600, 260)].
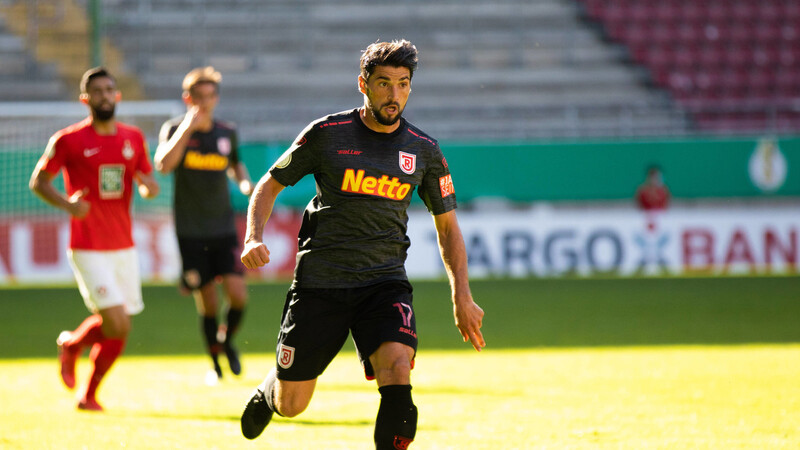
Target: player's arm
[(255, 253), (148, 186), (468, 315), (170, 150), (238, 173), (41, 184)]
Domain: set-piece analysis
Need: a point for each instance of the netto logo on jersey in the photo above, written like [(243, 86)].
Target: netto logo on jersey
[(357, 183), (210, 161)]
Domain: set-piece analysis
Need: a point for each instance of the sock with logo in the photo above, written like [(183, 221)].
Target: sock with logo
[(396, 424)]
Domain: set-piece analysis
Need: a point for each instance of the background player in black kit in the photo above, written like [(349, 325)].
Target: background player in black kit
[(350, 275), (203, 153)]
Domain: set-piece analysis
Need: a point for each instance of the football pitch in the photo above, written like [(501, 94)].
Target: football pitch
[(569, 363)]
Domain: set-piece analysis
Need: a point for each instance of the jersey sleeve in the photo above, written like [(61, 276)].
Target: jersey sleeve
[(299, 160), (166, 132), (436, 189), (234, 156), (143, 165), (54, 155)]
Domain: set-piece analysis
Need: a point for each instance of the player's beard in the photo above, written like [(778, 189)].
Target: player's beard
[(104, 115), (382, 118)]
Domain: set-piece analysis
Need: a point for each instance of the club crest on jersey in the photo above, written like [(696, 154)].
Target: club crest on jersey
[(285, 356), (408, 162), (127, 150), (224, 146)]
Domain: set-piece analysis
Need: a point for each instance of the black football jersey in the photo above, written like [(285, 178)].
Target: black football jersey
[(353, 232), (202, 197)]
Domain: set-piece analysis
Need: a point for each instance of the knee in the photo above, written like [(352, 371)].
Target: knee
[(292, 399), (116, 329), (291, 406)]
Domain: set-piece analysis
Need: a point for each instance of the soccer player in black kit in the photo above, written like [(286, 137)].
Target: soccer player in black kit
[(203, 153), (350, 274)]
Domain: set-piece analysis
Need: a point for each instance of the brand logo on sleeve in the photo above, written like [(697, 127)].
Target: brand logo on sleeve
[(408, 162), (446, 185), (356, 182)]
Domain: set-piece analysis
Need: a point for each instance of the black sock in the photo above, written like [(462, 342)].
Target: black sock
[(396, 424), (209, 328), (233, 319)]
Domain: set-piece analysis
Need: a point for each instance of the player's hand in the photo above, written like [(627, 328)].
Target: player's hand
[(78, 207), (195, 117), (255, 255), (469, 319), (246, 187)]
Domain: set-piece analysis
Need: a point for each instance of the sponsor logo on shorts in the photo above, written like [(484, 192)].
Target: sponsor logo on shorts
[(285, 356), (357, 183), (192, 278)]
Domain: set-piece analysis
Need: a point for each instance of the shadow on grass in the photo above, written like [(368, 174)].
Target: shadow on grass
[(519, 314), (232, 418)]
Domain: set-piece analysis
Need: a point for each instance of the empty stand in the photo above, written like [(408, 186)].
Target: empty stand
[(510, 69), (733, 64)]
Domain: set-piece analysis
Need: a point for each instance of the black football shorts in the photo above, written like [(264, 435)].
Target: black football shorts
[(316, 323), (206, 258)]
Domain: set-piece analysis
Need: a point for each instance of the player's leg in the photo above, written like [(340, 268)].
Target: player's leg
[(386, 340), (314, 326), (229, 266), (396, 423), (198, 278), (207, 303), (110, 285), (115, 328)]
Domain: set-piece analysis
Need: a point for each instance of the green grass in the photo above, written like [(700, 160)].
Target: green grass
[(643, 363)]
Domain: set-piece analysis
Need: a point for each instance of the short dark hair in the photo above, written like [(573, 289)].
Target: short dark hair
[(398, 53), (91, 74)]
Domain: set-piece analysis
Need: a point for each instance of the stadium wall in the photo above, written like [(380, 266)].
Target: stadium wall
[(743, 219), (752, 168)]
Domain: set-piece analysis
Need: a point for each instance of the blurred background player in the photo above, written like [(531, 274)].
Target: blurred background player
[(101, 158), (653, 194), (350, 274), (203, 153)]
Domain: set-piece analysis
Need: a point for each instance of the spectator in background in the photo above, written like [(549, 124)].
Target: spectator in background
[(203, 152), (653, 194), (101, 158)]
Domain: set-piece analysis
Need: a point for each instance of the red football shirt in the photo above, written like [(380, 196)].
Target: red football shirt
[(105, 164)]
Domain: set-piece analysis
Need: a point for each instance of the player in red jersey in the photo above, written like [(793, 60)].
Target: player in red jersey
[(653, 194), (101, 158)]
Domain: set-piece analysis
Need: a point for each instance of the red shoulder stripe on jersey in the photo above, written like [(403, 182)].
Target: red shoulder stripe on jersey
[(421, 136), (333, 124)]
